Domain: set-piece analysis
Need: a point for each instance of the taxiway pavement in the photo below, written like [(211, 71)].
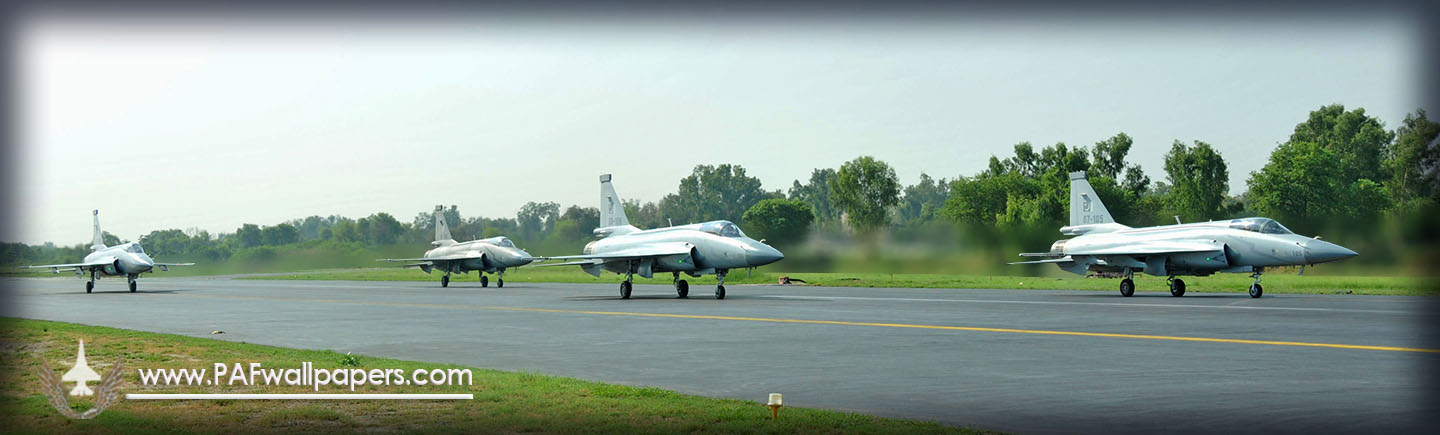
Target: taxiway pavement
[(1026, 361)]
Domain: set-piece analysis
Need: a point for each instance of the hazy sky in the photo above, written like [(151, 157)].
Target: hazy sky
[(211, 123)]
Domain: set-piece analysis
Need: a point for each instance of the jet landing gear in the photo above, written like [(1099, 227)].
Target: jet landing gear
[(720, 288), (499, 279), (1127, 285), (445, 280), (1255, 289), (682, 287), (133, 285), (90, 285), (484, 281), (1177, 287)]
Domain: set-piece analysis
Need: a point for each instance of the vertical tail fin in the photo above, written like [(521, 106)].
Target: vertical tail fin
[(99, 242), (442, 230), (612, 210), (1085, 205)]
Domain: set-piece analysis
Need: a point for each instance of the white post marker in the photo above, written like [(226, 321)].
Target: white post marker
[(774, 405), (300, 396)]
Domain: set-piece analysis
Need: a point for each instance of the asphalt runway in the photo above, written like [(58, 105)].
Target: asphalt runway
[(1023, 361)]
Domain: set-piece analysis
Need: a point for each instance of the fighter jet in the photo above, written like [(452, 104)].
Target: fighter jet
[(127, 259), (713, 247), (492, 255), (1247, 245)]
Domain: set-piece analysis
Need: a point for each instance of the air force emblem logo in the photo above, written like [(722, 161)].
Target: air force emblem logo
[(106, 393)]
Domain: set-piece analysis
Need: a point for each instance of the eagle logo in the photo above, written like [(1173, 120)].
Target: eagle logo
[(107, 393)]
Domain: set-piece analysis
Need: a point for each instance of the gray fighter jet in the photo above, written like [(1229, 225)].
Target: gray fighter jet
[(1246, 245), (127, 259), (492, 255), (713, 247)]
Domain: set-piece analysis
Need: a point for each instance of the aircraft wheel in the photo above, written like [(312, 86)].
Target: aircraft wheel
[(625, 290), (1256, 290), (1127, 287), (445, 281), (133, 286), (89, 286), (484, 281), (682, 288), (720, 292), (1177, 288), (500, 282)]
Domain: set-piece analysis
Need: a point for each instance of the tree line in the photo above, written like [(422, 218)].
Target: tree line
[(1338, 166)]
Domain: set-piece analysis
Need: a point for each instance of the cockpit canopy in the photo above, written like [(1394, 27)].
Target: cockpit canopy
[(502, 241), (722, 228), (135, 248), (1259, 225)]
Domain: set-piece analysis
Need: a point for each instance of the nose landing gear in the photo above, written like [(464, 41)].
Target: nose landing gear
[(1255, 289)]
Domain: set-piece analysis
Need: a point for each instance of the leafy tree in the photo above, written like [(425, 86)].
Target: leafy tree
[(345, 231), (1302, 184), (865, 189), (249, 236), (782, 221), (922, 202), (282, 234), (816, 193), (110, 239), (645, 215), (1358, 140), (1108, 156), (583, 220), (1199, 181), (535, 218), (712, 193), (383, 229), (1414, 163), (981, 200)]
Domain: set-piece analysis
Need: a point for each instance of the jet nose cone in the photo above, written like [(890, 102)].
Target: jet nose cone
[(762, 255), (523, 257), (1320, 252)]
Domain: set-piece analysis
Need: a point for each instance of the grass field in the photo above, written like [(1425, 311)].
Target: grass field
[(1275, 282), (505, 402)]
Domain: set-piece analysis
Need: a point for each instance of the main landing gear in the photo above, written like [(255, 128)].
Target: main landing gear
[(682, 287), (484, 281), (1127, 285), (445, 280), (1255, 289), (720, 288), (1177, 286), (90, 285)]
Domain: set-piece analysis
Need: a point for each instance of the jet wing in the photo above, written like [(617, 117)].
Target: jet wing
[(592, 261), (1151, 248), (641, 251), (57, 267), (431, 259), (1065, 259)]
